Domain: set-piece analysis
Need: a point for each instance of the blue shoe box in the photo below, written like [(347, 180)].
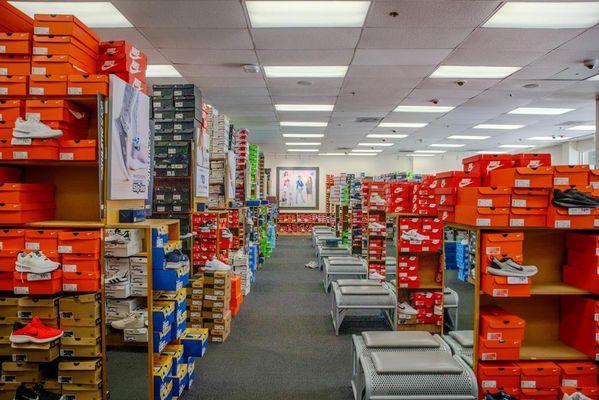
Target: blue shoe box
[(161, 339), (158, 258), (179, 326), (163, 315), (195, 342), (191, 364), (180, 380), (170, 280), (159, 237)]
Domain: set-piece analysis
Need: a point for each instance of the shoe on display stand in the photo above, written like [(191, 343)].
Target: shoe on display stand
[(376, 276), (312, 265), (217, 265), (37, 393), (116, 278), (135, 320), (34, 332), (176, 259), (118, 237), (406, 310), (35, 262), (413, 236), (376, 226), (32, 129), (508, 267)]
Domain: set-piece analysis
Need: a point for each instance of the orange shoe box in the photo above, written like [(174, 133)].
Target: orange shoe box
[(499, 350), (81, 281), (482, 216), (594, 178), (6, 281), (14, 20), (69, 132), (457, 179), (10, 110), (13, 85), (539, 394), (5, 133), (78, 150), (64, 45), (582, 312), (29, 149), (539, 375), (75, 262), (24, 213), (26, 193), (58, 65), (25, 283), (590, 392), (88, 85), (15, 43), (8, 258), (585, 242), (572, 218), (484, 196), (503, 286), (18, 65), (520, 177), (85, 242), (571, 175), (579, 374), (12, 239), (483, 164), (530, 198), (498, 376), (48, 85), (45, 240), (446, 196), (532, 160), (447, 213), (582, 276), (528, 217), (66, 25), (57, 110), (501, 326)]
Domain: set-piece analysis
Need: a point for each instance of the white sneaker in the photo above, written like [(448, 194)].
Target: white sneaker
[(217, 265), (118, 236), (377, 200), (32, 129), (406, 308), (135, 164), (116, 278), (374, 275), (226, 234), (377, 226), (131, 321), (35, 262), (413, 236), (576, 396), (312, 265)]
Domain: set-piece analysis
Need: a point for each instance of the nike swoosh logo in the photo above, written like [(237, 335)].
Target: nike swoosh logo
[(76, 114)]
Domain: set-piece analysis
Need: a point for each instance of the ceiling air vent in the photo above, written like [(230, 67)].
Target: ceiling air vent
[(368, 120)]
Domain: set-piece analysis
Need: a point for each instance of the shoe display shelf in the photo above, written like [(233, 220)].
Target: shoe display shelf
[(550, 303), (355, 216), (328, 206), (299, 223), (254, 185), (419, 267), (236, 223), (376, 231)]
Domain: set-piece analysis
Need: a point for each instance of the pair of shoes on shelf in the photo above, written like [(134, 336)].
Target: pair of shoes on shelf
[(136, 320), (508, 267), (217, 265), (413, 236), (32, 129), (35, 262), (572, 198), (37, 392), (176, 259)]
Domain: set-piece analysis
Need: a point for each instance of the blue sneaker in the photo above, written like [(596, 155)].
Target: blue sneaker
[(176, 259)]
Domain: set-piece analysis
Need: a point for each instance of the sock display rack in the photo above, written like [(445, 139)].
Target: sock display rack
[(299, 223)]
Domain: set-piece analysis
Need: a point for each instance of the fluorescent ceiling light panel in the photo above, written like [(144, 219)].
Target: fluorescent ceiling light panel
[(516, 146), (548, 138), (303, 135), (499, 127), (303, 144), (540, 111), (424, 109), (367, 150), (593, 78), (308, 124), (306, 71), (331, 154), (386, 136), (403, 124), (590, 128), (362, 154), (491, 152), (468, 137), (304, 107), (102, 14), (430, 151), (375, 144), (162, 71), (303, 150), (419, 155), (473, 72), (446, 145), (307, 14), (545, 15)]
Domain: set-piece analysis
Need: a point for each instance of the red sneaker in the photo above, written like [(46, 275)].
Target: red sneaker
[(35, 332)]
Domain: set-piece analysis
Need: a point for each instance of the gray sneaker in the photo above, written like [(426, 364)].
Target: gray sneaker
[(508, 267)]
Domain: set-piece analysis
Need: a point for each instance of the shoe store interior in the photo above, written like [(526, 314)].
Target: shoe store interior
[(299, 200)]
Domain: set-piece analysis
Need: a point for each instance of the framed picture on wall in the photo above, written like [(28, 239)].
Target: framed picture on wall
[(297, 188)]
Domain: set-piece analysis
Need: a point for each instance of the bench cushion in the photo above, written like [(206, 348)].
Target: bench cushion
[(345, 269), (464, 338), (426, 362), (345, 260), (357, 282), (363, 290), (407, 339)]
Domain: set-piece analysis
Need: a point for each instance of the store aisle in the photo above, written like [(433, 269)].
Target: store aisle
[(282, 344)]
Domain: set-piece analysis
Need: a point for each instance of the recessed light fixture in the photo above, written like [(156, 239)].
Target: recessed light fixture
[(403, 124), (548, 138), (367, 150), (386, 136), (468, 137), (424, 109), (303, 150), (305, 124), (516, 146), (306, 71), (590, 128), (473, 72), (430, 151), (545, 15), (307, 14), (162, 71), (303, 144), (304, 107), (540, 111), (303, 135), (375, 144), (419, 155), (101, 14), (331, 154), (446, 145), (362, 154), (499, 127), (491, 152)]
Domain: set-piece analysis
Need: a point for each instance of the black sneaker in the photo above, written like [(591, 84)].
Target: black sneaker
[(572, 198), (582, 197), (498, 396), (45, 395), (24, 393)]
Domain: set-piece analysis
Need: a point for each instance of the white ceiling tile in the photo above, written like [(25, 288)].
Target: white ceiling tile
[(238, 100), (228, 82), (210, 57), (300, 38), (514, 39), (235, 91), (400, 56), (187, 38), (382, 82), (305, 57), (155, 57), (211, 71), (132, 35), (315, 90), (399, 71), (587, 41), (412, 38), (317, 84), (304, 99), (491, 57)]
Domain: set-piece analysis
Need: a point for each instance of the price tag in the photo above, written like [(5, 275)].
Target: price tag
[(579, 211), (66, 156), (483, 222), (562, 223), (158, 115), (518, 203), (2, 49), (39, 277), (561, 181), (500, 293), (32, 245), (69, 268), (489, 384), (20, 142), (528, 384), (21, 290), (3, 90), (20, 155), (65, 249), (179, 116), (38, 71), (485, 202), (41, 30), (489, 356), (517, 280), (177, 137), (40, 50), (516, 222), (36, 91), (75, 91), (178, 104), (522, 183), (570, 382), (494, 336), (595, 185)]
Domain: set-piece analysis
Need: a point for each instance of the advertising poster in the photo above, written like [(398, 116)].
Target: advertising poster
[(297, 187), (128, 142), (231, 175), (202, 163)]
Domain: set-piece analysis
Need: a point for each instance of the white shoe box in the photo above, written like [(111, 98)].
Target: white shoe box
[(136, 335), (121, 291), (140, 290), (122, 305), (122, 249), (139, 280), (138, 266), (134, 234), (114, 316), (115, 265)]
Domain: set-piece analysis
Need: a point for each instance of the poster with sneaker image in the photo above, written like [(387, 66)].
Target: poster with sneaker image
[(202, 163), (128, 142)]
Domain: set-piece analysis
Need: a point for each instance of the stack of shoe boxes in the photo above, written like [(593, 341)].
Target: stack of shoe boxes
[(254, 177), (241, 268), (215, 304), (355, 215), (218, 127), (498, 246), (216, 189), (423, 197), (125, 61), (376, 231), (242, 154), (208, 227)]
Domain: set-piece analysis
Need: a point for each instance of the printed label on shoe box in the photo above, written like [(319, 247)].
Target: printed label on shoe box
[(570, 382), (563, 223), (494, 336), (517, 280), (69, 287), (4, 90), (483, 222), (493, 250), (75, 90), (500, 293), (489, 384), (489, 356), (485, 202), (65, 379), (561, 181), (40, 51), (522, 183), (3, 71), (39, 277), (20, 155), (19, 358), (38, 71), (2, 49), (518, 203), (579, 211), (528, 384), (41, 30), (32, 245), (66, 156), (20, 142), (517, 222), (21, 290), (65, 249), (36, 91), (8, 378)]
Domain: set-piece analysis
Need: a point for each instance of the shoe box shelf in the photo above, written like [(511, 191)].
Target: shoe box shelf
[(355, 218), (544, 310), (420, 290), (299, 223)]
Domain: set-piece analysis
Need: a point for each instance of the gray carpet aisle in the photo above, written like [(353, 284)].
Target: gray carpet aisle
[(282, 344)]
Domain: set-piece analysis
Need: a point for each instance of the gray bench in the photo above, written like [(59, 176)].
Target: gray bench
[(336, 267), (461, 343)]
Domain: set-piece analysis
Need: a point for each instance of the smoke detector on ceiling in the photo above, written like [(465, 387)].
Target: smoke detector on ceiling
[(251, 68)]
